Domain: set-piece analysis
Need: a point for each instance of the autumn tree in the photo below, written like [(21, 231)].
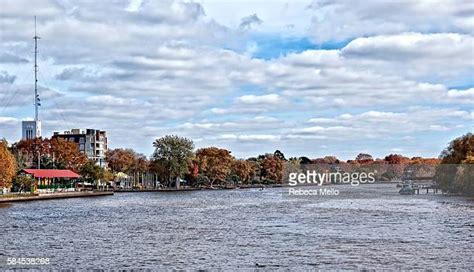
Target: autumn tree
[(66, 154), (30, 152), (293, 165), (331, 159), (456, 170), (243, 169), (396, 165), (140, 163), (215, 163), (396, 159), (120, 160), (49, 153), (254, 169), (364, 158), (7, 165), (174, 153), (129, 162), (272, 168), (139, 167), (427, 161), (193, 173)]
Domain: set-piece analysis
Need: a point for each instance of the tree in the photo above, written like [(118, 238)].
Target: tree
[(139, 167), (456, 170), (243, 169), (161, 169), (23, 182), (30, 152), (66, 154), (293, 165), (331, 159), (140, 164), (396, 159), (215, 163), (202, 180), (193, 173), (7, 165), (175, 152), (91, 172), (120, 160), (128, 161), (49, 153), (254, 169), (364, 158), (304, 160), (272, 168), (279, 155)]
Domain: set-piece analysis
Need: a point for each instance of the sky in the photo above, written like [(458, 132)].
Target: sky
[(309, 78)]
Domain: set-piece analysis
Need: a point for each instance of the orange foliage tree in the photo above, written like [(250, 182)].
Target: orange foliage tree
[(7, 165), (66, 154), (57, 152), (215, 163), (245, 170), (272, 168), (120, 160)]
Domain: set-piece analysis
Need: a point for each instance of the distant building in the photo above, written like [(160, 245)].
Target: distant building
[(30, 129), (91, 142)]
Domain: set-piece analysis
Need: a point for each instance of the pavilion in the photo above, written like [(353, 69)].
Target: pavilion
[(48, 176)]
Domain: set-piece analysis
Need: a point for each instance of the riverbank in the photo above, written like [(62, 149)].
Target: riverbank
[(229, 187), (34, 197), (155, 190)]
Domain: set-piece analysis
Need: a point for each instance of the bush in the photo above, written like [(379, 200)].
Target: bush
[(234, 179), (389, 175), (202, 180), (23, 182)]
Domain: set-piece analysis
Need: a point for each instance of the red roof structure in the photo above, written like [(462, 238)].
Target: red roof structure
[(51, 173)]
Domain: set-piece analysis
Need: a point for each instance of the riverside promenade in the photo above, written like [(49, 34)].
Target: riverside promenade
[(33, 197)]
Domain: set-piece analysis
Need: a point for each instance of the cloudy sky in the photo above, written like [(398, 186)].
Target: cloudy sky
[(309, 77)]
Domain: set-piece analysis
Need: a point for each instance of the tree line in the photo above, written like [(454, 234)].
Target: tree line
[(175, 161)]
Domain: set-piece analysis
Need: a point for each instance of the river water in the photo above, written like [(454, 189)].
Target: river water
[(369, 226)]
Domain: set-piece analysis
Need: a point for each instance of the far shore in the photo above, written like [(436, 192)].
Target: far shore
[(63, 195)]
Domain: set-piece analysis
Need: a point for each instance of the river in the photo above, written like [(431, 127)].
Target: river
[(369, 226)]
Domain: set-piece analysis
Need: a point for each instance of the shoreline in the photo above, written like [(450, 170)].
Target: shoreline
[(246, 186), (55, 196), (64, 195)]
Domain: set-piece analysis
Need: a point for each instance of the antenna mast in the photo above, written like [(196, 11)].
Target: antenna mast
[(37, 99)]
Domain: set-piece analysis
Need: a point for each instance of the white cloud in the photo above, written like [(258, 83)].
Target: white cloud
[(342, 20), (413, 54), (462, 96), (8, 120), (387, 124), (182, 67), (250, 138), (268, 99)]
